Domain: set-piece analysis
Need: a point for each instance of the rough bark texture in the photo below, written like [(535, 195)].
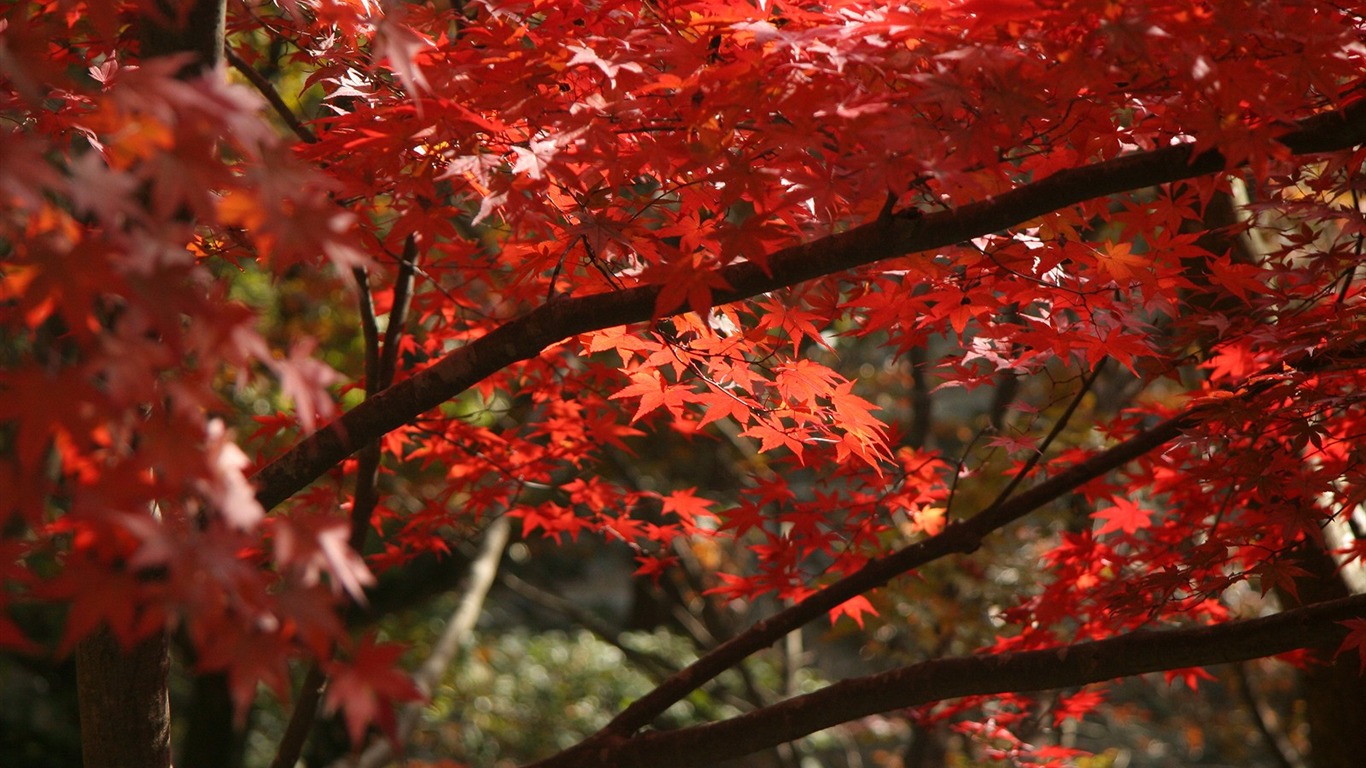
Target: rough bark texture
[(125, 710)]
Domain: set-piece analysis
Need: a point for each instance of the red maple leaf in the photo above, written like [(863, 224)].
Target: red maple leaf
[(855, 607), (1355, 640), (1117, 260), (1077, 706), (653, 391), (687, 282), (366, 688), (917, 203), (1279, 573), (1125, 516), (686, 505), (1191, 676)]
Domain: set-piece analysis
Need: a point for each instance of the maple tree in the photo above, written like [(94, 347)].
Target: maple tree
[(562, 227)]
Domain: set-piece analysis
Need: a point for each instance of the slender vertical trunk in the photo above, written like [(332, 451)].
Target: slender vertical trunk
[(124, 701), (210, 738), (185, 26), (125, 709)]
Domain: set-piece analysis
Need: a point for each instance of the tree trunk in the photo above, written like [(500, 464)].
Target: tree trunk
[(125, 709), (125, 706), (172, 27), (1335, 690), (210, 738)]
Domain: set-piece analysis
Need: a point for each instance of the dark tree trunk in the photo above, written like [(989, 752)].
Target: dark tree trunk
[(210, 739), (185, 26), (124, 701), (125, 709), (1335, 690)]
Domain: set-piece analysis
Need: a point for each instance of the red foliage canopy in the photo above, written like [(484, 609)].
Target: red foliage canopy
[(606, 219)]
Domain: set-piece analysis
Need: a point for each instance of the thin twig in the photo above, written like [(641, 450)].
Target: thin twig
[(922, 402), (1058, 427), (369, 329), (483, 569), (366, 496), (398, 312), (301, 719), (379, 371), (1350, 271), (264, 87), (652, 664), (1278, 743)]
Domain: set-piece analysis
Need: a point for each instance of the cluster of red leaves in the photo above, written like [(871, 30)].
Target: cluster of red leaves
[(123, 189), (535, 150)]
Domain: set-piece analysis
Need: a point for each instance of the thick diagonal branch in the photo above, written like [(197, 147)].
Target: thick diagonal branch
[(961, 538), (888, 237), (1135, 653)]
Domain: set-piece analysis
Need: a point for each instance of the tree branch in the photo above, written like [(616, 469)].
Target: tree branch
[(1087, 382), (885, 238), (264, 87), (398, 312), (1074, 665), (526, 337), (380, 363), (1264, 719), (300, 719), (458, 629), (961, 538)]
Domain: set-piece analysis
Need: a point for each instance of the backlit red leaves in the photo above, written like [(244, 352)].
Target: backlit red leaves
[(152, 226), (308, 546), (1191, 677), (1119, 262), (399, 46), (1077, 706), (854, 608), (1124, 515), (687, 284), (687, 506), (653, 392)]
